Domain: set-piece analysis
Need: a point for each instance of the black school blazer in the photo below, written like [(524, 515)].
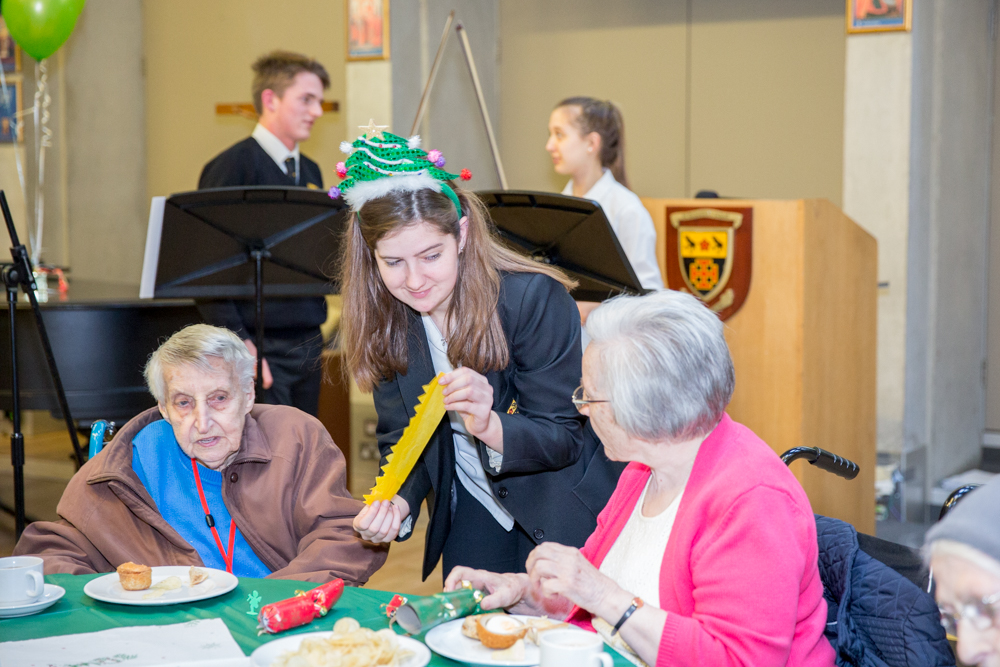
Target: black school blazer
[(555, 478)]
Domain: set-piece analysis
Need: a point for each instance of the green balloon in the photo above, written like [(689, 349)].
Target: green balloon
[(41, 26)]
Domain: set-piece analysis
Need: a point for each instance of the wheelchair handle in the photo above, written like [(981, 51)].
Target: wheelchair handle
[(821, 458)]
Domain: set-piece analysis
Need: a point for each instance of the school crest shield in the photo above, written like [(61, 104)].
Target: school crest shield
[(709, 255)]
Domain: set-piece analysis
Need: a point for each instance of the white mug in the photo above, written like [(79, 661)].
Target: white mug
[(21, 580), (573, 648)]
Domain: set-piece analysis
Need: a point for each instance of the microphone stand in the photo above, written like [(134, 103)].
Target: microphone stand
[(19, 274)]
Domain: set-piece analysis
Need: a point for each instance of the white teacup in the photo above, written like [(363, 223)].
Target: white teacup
[(21, 580), (573, 648)]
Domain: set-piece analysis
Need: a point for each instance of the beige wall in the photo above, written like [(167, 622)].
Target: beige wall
[(106, 143), (743, 98), (876, 196), (993, 286), (199, 53)]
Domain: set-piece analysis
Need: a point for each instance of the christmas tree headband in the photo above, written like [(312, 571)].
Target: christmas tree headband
[(381, 162)]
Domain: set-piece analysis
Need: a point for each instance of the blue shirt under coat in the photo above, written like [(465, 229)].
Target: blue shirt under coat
[(165, 470)]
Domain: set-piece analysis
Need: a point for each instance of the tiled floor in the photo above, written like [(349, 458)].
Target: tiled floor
[(49, 467)]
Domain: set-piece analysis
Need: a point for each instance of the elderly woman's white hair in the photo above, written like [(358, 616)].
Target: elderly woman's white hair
[(665, 365), (196, 345)]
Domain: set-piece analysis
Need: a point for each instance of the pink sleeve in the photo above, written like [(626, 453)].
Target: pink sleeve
[(747, 572)]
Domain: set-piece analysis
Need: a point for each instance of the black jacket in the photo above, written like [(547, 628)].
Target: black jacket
[(555, 478), (875, 616), (246, 163)]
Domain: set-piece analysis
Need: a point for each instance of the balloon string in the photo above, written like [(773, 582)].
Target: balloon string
[(43, 140)]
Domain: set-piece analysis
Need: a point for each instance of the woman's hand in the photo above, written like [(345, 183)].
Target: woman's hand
[(561, 572), (268, 378), (380, 521), (471, 395), (505, 590)]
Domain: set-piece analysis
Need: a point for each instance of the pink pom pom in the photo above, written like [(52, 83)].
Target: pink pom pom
[(341, 170), (334, 192), (434, 155), (466, 175)]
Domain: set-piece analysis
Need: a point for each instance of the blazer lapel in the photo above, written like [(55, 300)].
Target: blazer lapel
[(421, 368)]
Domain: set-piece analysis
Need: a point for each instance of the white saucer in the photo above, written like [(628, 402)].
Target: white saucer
[(52, 595)]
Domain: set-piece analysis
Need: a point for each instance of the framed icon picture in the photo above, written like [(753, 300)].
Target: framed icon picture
[(9, 109), (878, 15), (367, 29), (10, 52)]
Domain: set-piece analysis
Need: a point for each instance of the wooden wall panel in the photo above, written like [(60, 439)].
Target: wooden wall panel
[(839, 360)]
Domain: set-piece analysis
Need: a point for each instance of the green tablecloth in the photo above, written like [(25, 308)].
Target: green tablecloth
[(76, 612)]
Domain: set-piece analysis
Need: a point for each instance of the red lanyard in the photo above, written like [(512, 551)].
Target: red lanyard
[(227, 558)]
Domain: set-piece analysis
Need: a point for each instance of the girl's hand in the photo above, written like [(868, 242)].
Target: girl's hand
[(471, 395), (379, 522)]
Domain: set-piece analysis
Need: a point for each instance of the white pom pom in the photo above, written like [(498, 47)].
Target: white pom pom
[(346, 147), (414, 141)]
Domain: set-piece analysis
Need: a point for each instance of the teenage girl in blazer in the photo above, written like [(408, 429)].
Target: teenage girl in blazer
[(427, 288)]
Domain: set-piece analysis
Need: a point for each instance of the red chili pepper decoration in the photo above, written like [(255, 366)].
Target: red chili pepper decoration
[(395, 603), (299, 610)]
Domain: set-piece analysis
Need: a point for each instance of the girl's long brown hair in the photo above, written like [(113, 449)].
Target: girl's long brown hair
[(374, 325), (603, 117)]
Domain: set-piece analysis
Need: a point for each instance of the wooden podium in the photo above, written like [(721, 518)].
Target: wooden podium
[(803, 343)]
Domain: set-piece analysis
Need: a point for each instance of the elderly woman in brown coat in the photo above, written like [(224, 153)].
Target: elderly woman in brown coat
[(208, 478)]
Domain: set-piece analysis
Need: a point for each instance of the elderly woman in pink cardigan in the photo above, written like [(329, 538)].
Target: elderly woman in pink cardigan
[(706, 553)]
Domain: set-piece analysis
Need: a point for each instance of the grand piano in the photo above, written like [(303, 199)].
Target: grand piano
[(101, 334)]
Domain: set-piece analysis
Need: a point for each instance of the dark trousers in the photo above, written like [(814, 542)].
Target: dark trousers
[(477, 540), (295, 361)]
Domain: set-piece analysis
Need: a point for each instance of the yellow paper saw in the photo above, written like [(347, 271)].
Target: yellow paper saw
[(404, 454)]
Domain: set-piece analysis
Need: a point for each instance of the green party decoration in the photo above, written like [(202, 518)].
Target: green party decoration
[(40, 27), (381, 162)]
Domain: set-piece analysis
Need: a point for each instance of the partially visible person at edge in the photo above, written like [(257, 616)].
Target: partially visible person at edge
[(287, 93), (271, 476), (428, 289), (587, 143), (963, 553), (706, 554)]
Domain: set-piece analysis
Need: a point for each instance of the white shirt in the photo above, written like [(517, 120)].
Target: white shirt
[(468, 467), (274, 147), (632, 225), (635, 558)]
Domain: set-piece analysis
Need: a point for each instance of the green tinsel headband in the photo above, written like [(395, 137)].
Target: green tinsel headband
[(381, 162)]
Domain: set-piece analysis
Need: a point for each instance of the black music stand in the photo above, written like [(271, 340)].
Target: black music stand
[(568, 232), (20, 275), (214, 244)]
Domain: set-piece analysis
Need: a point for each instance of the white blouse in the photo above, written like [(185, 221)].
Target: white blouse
[(632, 225), (636, 556)]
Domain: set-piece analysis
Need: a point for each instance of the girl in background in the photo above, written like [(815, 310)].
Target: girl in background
[(587, 143)]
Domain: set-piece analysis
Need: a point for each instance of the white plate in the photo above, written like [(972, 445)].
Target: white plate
[(109, 589), (271, 651), (447, 640), (51, 595)]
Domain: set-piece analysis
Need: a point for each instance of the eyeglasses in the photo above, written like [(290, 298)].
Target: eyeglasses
[(982, 615), (580, 402)]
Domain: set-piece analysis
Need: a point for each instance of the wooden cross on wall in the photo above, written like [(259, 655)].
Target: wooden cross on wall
[(246, 109)]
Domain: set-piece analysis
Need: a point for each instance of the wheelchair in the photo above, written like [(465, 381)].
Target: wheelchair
[(880, 605)]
